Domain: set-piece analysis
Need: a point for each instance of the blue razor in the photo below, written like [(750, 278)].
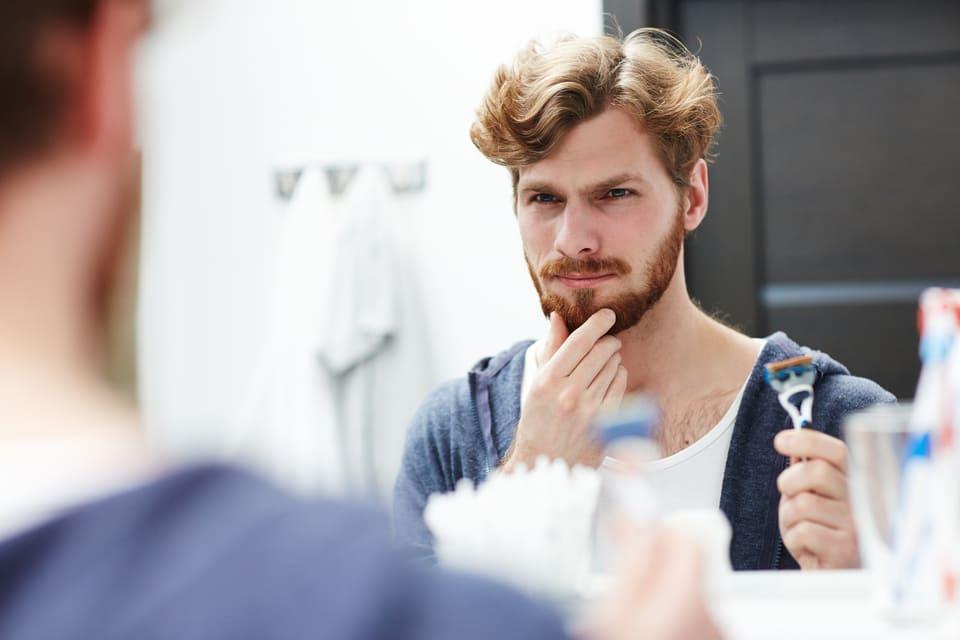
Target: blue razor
[(793, 380)]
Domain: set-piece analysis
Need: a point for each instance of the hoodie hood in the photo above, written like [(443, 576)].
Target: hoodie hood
[(495, 385), (780, 347)]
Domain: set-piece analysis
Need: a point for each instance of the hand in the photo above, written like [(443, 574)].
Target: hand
[(816, 522), (579, 374), (658, 596)]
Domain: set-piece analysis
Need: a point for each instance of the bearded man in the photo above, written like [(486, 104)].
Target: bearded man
[(607, 141)]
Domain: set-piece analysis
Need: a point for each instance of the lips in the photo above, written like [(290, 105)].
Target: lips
[(583, 280)]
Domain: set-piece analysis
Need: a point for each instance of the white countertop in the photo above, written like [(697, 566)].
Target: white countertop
[(821, 605)]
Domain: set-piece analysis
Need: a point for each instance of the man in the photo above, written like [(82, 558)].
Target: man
[(606, 142), (98, 537)]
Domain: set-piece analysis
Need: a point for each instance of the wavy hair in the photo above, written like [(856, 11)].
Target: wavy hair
[(547, 90)]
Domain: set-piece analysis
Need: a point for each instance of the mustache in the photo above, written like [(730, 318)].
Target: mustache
[(565, 266)]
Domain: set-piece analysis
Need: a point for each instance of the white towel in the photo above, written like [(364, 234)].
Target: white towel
[(374, 347), (347, 361), (287, 422)]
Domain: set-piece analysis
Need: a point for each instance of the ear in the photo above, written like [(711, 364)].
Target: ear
[(106, 88), (697, 196)]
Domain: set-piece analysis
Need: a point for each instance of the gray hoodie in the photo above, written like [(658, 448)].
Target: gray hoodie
[(465, 427)]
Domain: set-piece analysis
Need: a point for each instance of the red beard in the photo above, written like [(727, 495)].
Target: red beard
[(630, 306)]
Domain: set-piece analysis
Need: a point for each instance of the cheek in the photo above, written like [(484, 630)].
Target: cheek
[(643, 228), (634, 240), (536, 235), (625, 235)]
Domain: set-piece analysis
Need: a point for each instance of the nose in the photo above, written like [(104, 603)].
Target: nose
[(578, 236)]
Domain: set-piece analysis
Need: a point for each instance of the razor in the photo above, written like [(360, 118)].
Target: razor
[(793, 381)]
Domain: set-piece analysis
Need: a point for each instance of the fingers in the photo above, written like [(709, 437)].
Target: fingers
[(816, 476), (616, 390), (555, 337), (808, 561), (598, 385), (831, 548), (814, 516), (579, 344), (602, 355), (813, 508), (810, 443)]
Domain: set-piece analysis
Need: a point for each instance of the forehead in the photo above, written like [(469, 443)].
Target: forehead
[(611, 143)]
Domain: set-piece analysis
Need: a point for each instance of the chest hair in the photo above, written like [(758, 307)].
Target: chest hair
[(686, 422)]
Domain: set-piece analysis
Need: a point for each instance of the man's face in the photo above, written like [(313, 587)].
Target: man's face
[(601, 222)]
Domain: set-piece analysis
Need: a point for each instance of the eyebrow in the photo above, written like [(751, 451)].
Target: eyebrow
[(544, 186)]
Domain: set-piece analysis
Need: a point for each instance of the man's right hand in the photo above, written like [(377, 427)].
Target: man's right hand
[(579, 375)]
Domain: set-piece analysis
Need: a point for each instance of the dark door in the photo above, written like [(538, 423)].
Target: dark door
[(834, 197)]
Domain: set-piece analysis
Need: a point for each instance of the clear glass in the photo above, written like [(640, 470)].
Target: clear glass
[(877, 439)]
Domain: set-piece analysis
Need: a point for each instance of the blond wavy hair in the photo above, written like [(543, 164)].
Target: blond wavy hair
[(547, 90)]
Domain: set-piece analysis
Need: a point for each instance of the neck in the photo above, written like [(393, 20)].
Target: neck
[(49, 352), (677, 349)]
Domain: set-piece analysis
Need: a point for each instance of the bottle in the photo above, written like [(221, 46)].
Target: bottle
[(947, 459), (919, 582), (626, 497)]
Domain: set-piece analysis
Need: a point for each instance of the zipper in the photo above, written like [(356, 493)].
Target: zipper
[(782, 465), (778, 552)]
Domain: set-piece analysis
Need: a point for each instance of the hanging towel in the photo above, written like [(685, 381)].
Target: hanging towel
[(375, 347), (286, 425), (347, 361)]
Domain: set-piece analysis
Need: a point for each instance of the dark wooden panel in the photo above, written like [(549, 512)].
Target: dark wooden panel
[(835, 171), (720, 258), (827, 28), (860, 173), (874, 341)]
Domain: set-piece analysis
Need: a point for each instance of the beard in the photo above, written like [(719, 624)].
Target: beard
[(630, 306)]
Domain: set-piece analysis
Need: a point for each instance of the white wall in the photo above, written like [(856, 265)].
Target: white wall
[(233, 88)]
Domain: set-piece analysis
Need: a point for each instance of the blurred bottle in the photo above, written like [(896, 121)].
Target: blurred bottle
[(923, 578), (627, 501), (947, 450)]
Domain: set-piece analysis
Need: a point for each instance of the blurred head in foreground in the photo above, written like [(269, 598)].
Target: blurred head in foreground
[(66, 158)]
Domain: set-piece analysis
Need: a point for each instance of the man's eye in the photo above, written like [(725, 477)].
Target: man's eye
[(544, 198), (616, 194)]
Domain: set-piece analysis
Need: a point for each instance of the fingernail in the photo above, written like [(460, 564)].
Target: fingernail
[(611, 316)]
